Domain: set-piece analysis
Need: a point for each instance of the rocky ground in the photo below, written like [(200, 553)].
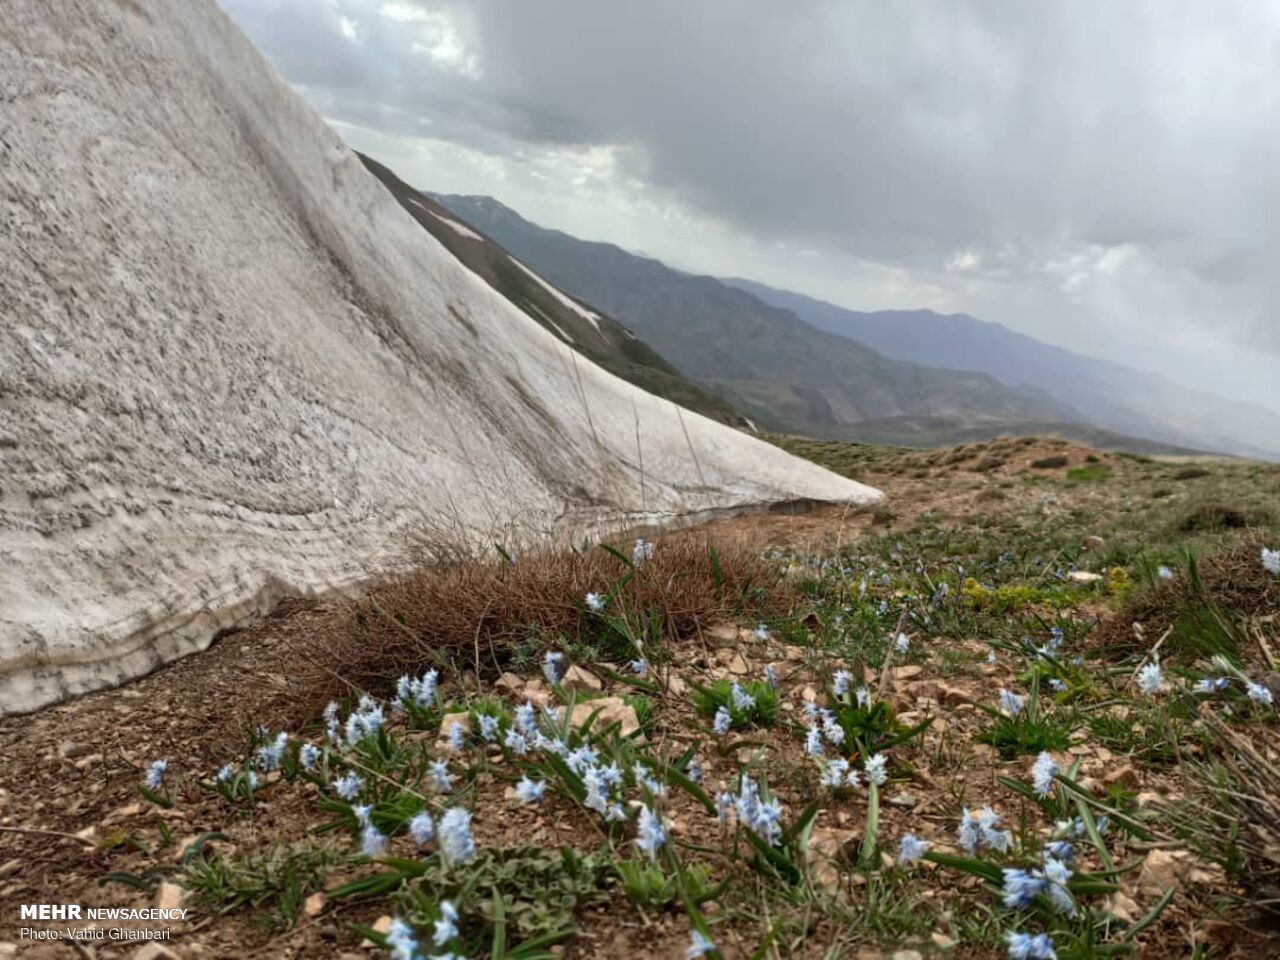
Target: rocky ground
[(1051, 572)]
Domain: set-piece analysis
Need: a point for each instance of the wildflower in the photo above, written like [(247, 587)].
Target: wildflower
[(372, 841), (331, 721), (642, 551), (724, 805), (515, 742), (488, 727), (225, 773), (1021, 887), (639, 667), (810, 710), (1271, 561), (652, 832), (554, 666), (1212, 685), (911, 847), (742, 700), (364, 722), (763, 817), (979, 831), (582, 758), (615, 813), (841, 682), (1058, 874), (363, 812), (863, 697), (1151, 678), (700, 945), (723, 721), (1042, 774), (1026, 946), (992, 658), (155, 774), (902, 644), (762, 632), (526, 718), (874, 769), (456, 843), (348, 787), (813, 742), (1056, 685), (771, 676), (424, 690), (1011, 703), (645, 779), (422, 828), (270, 754), (834, 773), (597, 797), (1258, 693), (401, 940), (251, 779), (832, 730), (1060, 850), (308, 755), (695, 772), (1164, 573), (457, 737), (447, 926), (441, 779), (595, 602), (530, 791)]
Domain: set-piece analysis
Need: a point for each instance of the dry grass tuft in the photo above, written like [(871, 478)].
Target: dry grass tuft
[(1232, 580), (474, 613)]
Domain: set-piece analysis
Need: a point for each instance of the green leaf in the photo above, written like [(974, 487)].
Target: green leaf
[(196, 847)]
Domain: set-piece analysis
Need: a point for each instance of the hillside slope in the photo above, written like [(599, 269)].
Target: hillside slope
[(233, 367), (770, 365), (1106, 393), (592, 333)]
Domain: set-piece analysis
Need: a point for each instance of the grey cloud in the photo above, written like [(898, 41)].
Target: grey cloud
[(1027, 134)]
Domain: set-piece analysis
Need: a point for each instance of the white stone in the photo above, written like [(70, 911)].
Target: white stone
[(236, 368)]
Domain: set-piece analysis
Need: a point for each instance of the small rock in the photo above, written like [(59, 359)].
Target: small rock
[(829, 847), (906, 955), (738, 666), (722, 634), (677, 685), (1122, 907), (1084, 576), (381, 925), (1162, 870), (537, 693), (315, 904), (941, 940), (908, 671), (154, 951), (87, 762), (1093, 543), (170, 896), (510, 683), (1125, 776), (577, 680), (608, 710), (10, 867), (904, 800)]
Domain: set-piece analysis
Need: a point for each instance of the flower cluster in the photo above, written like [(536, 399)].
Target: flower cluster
[(980, 831)]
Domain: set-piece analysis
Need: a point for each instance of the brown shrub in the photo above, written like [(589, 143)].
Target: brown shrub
[(473, 614), (1050, 463), (1233, 580)]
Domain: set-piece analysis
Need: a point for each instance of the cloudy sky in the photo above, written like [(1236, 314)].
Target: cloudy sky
[(1102, 175)]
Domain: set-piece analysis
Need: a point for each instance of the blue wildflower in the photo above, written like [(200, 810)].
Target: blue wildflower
[(530, 791), (488, 727), (595, 602), (1151, 678), (554, 666), (874, 769), (447, 926), (308, 755), (422, 828), (1011, 703), (722, 722), (441, 779), (155, 774), (652, 832), (456, 843), (372, 841), (349, 786), (813, 742), (841, 682), (911, 847), (699, 945), (1042, 774), (1026, 946)]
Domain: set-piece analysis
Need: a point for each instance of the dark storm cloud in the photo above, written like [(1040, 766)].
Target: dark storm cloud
[(1116, 160)]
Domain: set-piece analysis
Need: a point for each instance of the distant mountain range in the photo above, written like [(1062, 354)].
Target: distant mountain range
[(772, 366), (1105, 393), (593, 334)]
